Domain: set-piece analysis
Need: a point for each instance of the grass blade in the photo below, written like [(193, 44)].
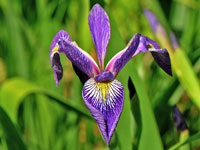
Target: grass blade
[(15, 90), (149, 125), (13, 139), (187, 141)]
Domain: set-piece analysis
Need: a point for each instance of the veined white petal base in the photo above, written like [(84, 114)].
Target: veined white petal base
[(105, 102)]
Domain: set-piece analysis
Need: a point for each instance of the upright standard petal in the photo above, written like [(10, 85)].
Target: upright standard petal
[(80, 59), (105, 102), (145, 44), (100, 30)]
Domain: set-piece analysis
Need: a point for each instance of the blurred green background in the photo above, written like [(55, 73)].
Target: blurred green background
[(36, 115)]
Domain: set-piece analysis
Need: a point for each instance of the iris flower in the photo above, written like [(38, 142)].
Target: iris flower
[(102, 93)]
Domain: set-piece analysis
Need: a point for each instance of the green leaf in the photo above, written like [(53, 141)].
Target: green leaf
[(15, 90), (187, 141), (150, 137), (16, 49), (186, 75), (13, 139)]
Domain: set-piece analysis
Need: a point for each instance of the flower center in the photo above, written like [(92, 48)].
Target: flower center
[(104, 77), (104, 89)]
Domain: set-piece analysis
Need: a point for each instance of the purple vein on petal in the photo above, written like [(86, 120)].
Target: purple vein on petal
[(161, 56), (54, 55), (105, 102), (121, 58), (100, 30), (62, 43), (60, 35), (145, 44), (80, 58)]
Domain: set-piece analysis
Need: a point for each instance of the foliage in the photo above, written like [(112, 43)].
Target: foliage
[(36, 115)]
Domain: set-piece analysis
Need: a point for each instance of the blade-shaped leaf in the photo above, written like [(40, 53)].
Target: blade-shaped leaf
[(15, 90), (149, 125), (187, 141), (13, 139)]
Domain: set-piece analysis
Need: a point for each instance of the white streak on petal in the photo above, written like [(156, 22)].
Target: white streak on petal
[(105, 102)]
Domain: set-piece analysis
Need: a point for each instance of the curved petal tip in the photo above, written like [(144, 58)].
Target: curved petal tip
[(62, 34), (162, 58), (54, 51)]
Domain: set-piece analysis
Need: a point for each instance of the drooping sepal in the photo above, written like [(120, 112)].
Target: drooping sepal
[(105, 102)]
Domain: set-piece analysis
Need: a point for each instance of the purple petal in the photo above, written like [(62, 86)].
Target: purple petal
[(54, 55), (174, 41), (152, 20), (157, 28), (104, 77), (154, 23), (61, 34), (161, 56), (100, 29), (83, 61), (105, 102), (79, 58), (120, 59)]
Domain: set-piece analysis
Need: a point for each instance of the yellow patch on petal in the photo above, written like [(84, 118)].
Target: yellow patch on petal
[(104, 88), (55, 49)]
